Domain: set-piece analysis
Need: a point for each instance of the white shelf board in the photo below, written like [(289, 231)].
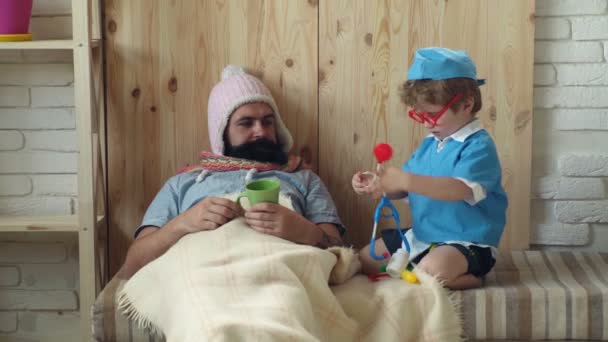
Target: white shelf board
[(66, 223), (58, 44)]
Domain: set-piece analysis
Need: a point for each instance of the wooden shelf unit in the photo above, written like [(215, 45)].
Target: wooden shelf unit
[(90, 222)]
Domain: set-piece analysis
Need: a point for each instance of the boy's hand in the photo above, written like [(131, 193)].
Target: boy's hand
[(393, 180), (365, 183)]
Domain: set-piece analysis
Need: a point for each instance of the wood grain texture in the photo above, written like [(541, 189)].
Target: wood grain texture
[(163, 59), (334, 68)]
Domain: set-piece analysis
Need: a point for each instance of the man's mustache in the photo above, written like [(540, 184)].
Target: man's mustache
[(263, 150)]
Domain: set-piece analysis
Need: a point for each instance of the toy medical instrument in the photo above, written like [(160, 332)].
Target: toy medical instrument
[(397, 265)]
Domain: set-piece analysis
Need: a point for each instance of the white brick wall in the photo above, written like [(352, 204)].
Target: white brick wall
[(584, 165), (590, 28), (570, 158), (11, 140), (9, 276), (64, 325), (55, 27), (552, 28), (568, 52), (38, 155), (569, 7), (8, 322)]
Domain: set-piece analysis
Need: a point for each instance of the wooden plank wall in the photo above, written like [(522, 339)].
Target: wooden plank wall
[(334, 67)]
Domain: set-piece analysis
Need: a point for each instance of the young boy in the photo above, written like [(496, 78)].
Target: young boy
[(453, 179)]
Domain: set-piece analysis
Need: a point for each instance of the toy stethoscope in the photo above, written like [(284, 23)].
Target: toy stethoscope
[(386, 203), (397, 266), (384, 152)]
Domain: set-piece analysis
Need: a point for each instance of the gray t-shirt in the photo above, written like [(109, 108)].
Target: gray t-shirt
[(304, 188)]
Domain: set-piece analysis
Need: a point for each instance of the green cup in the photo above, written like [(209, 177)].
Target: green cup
[(264, 190)]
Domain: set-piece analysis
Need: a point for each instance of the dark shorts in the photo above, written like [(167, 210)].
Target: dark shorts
[(479, 259)]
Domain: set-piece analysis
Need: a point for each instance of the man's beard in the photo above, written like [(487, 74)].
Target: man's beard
[(262, 150)]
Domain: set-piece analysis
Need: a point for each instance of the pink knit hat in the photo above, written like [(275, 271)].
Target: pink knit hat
[(234, 90)]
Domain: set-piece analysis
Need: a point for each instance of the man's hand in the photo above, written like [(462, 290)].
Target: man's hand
[(152, 242), (274, 219), (209, 214)]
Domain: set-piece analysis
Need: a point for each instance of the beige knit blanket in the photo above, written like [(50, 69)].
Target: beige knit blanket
[(235, 284)]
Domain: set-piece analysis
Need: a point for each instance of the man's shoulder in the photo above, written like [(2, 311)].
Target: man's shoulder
[(304, 179), (178, 180), (302, 176), (307, 172), (309, 175)]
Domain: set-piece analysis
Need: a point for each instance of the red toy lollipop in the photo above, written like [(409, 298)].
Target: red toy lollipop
[(383, 152)]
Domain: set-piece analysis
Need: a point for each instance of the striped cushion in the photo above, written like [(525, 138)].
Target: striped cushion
[(110, 324), (528, 295), (540, 295)]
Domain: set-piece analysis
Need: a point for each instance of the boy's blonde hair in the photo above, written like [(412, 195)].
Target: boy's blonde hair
[(440, 92)]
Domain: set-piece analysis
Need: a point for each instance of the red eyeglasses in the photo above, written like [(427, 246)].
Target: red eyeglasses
[(422, 117)]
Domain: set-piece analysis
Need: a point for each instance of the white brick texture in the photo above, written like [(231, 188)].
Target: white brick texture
[(568, 52), (552, 28), (48, 56), (15, 185), (10, 56), (583, 165), (15, 299), (582, 74), (21, 252), (50, 324), (571, 124), (51, 7), (579, 119), (59, 27), (48, 276), (38, 162), (582, 211), (52, 96), (14, 97), (570, 7), (571, 97), (36, 74), (8, 322), (544, 75), (9, 276), (33, 205), (11, 140), (37, 118), (569, 188), (55, 185), (54, 141), (590, 28), (560, 234)]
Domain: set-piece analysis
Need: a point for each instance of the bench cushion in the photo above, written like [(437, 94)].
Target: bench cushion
[(529, 295)]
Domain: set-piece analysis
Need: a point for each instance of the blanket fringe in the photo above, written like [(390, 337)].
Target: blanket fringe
[(457, 307), (128, 309), (453, 299)]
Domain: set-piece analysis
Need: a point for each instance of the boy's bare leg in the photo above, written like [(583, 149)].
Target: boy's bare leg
[(450, 266), (368, 264)]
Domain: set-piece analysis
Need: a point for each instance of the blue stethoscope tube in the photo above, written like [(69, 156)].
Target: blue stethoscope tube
[(386, 203)]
